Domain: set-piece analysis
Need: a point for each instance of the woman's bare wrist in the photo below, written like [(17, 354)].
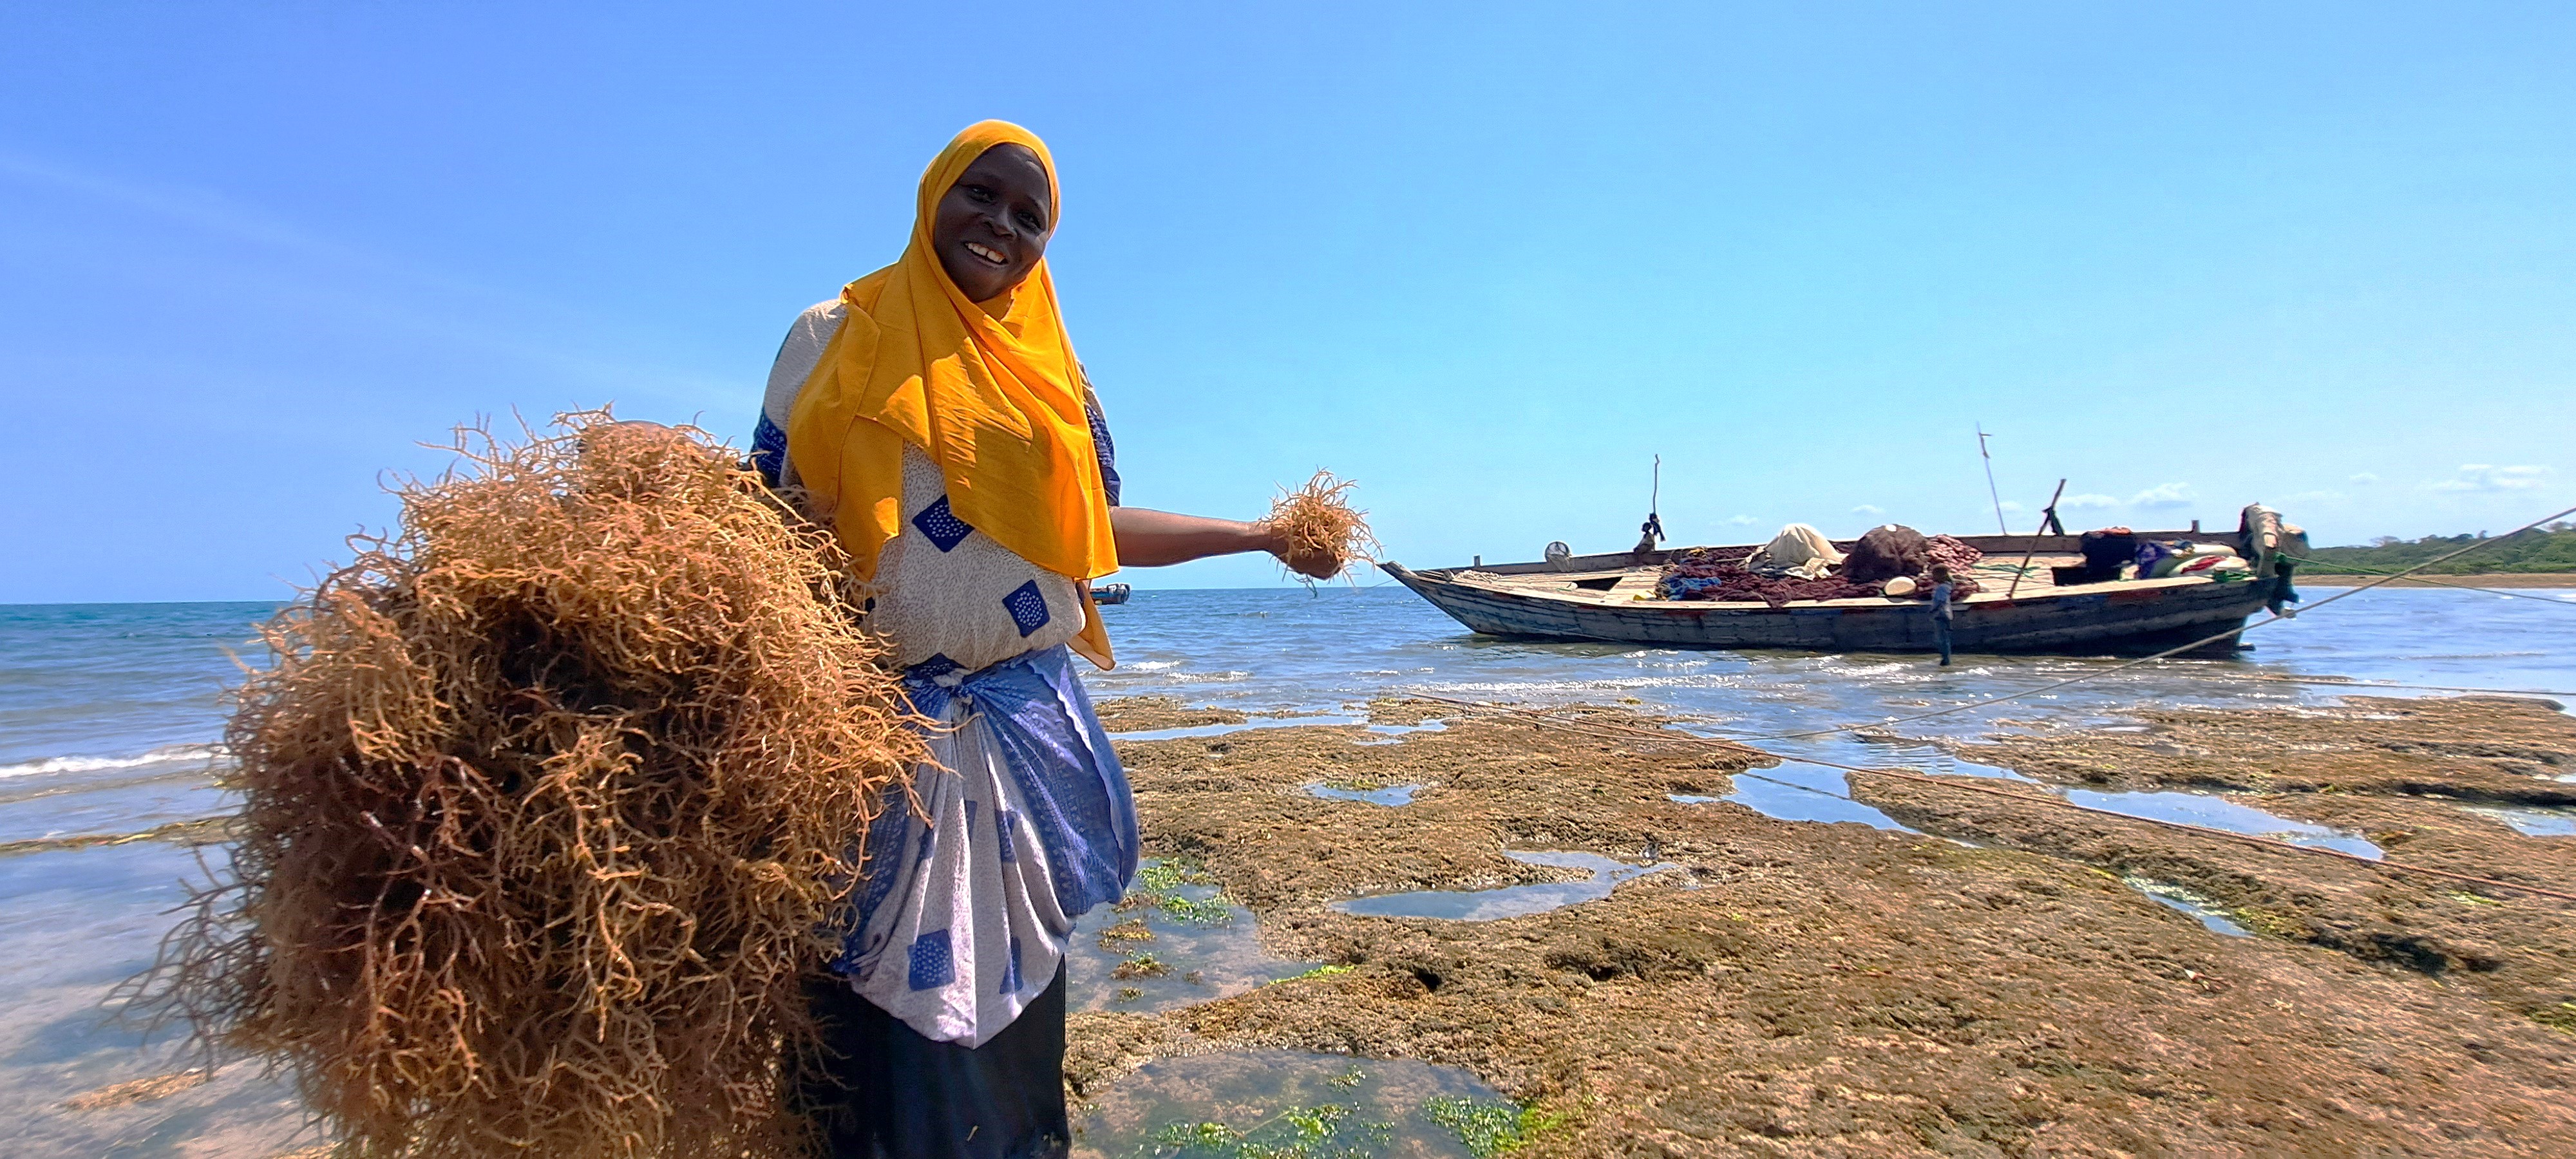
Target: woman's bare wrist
[(1148, 538)]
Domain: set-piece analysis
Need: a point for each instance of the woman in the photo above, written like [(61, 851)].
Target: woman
[(934, 414)]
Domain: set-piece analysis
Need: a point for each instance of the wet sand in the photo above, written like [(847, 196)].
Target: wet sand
[(1148, 713), (1808, 989)]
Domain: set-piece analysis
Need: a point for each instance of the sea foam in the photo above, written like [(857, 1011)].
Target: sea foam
[(168, 754)]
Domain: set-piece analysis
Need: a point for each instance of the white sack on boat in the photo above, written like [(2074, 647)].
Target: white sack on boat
[(1801, 550)]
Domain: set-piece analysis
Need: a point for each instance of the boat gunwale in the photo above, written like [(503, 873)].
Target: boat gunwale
[(1593, 599), (1991, 545), (1633, 563)]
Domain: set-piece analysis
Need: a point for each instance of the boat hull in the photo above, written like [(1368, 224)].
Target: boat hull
[(2071, 620)]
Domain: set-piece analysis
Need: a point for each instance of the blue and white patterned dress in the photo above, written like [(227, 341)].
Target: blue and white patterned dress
[(964, 917)]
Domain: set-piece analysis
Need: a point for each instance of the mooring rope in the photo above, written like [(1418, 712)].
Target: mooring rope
[(1542, 718), (2348, 569)]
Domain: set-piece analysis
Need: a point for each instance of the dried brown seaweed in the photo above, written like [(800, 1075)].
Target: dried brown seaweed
[(1317, 522), (550, 800)]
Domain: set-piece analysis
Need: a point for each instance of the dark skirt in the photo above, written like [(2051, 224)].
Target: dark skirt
[(889, 1093)]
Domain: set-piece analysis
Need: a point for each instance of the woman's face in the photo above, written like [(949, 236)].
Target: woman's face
[(993, 224)]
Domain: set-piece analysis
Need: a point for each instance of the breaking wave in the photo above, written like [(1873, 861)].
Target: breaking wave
[(168, 754)]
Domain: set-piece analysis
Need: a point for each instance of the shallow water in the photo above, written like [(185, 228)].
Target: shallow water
[(77, 924), (1376, 1108), (2211, 811), (2200, 909), (1395, 733), (1381, 733), (1259, 649), (108, 715), (1511, 901), (118, 705), (1198, 960), (1392, 796), (1270, 651), (1819, 798), (2533, 822), (123, 800), (1186, 732), (1816, 797)]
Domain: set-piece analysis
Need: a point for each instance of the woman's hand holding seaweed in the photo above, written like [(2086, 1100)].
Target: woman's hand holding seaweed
[(1305, 561)]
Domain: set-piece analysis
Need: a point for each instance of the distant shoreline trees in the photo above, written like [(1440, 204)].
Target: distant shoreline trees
[(2548, 549)]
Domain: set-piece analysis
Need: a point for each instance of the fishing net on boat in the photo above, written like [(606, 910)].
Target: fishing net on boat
[(1731, 583), (1317, 521), (1722, 577), (549, 804), (1944, 549)]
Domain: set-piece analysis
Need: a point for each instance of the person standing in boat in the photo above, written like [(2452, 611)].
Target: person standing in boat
[(1941, 610), (934, 415)]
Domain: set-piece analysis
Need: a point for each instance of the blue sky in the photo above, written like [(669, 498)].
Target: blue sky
[(1486, 259)]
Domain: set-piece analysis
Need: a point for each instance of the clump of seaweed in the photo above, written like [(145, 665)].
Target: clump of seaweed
[(1317, 522), (1141, 966), (1159, 884), (550, 800), (1131, 930)]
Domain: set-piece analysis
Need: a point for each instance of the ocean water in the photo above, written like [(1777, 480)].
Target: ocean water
[(110, 716), (1511, 901), (1290, 650)]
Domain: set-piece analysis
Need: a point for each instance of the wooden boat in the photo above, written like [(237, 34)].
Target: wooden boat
[(1612, 598)]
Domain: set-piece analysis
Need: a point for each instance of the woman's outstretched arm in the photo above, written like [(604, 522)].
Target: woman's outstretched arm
[(1148, 538)]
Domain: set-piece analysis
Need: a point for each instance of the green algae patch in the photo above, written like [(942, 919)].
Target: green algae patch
[(1163, 885), (1490, 1129), (1324, 971)]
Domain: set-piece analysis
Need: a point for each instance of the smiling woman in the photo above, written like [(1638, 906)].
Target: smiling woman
[(993, 225), (934, 414)]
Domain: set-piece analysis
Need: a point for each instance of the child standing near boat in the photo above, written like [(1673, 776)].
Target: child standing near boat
[(1941, 610)]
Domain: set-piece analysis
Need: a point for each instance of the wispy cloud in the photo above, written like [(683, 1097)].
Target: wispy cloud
[(2165, 495), (2087, 501), (2488, 477), (1869, 509), (2010, 505), (2365, 478), (202, 211), (376, 289), (1743, 521)]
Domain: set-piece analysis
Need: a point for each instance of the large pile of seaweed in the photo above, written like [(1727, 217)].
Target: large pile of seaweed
[(550, 799)]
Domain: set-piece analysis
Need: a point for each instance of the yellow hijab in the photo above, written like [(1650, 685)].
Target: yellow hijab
[(989, 391)]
